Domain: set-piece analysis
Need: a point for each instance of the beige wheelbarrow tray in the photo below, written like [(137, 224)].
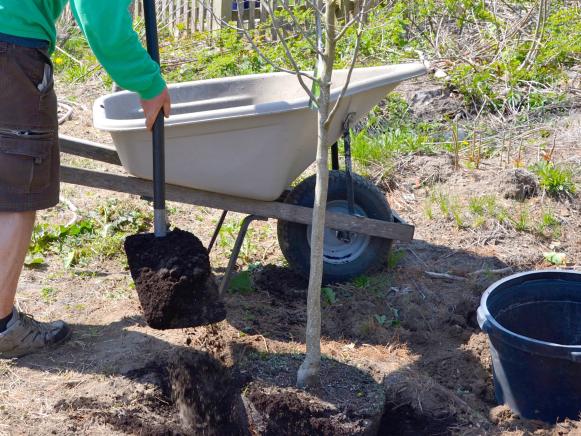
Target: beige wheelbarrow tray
[(238, 144)]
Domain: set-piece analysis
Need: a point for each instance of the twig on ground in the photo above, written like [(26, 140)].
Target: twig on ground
[(506, 270), (444, 276), (68, 112)]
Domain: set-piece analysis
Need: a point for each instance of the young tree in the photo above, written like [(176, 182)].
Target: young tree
[(332, 20)]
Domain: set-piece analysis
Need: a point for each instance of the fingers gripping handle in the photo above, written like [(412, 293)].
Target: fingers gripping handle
[(160, 221)]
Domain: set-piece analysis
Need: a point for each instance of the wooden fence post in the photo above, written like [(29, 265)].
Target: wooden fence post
[(223, 11)]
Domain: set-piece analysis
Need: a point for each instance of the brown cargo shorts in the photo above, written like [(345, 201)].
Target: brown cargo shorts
[(29, 152)]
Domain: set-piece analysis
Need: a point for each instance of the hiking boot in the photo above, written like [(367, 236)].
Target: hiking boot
[(25, 335)]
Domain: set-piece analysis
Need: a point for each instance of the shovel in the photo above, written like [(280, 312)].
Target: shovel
[(171, 269)]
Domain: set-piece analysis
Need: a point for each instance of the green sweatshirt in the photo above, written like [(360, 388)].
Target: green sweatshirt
[(108, 27)]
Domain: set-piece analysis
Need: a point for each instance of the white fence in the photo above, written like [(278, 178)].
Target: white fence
[(187, 16)]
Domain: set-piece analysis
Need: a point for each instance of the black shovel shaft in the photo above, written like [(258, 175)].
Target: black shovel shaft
[(158, 128)]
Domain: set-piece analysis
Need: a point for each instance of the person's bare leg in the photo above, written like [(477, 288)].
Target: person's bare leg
[(20, 334), (15, 232)]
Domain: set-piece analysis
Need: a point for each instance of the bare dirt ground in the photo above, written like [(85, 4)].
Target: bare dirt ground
[(415, 334)]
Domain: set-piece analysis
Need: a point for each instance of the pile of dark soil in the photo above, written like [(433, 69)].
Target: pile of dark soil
[(173, 279), (258, 396), (206, 395), (350, 401)]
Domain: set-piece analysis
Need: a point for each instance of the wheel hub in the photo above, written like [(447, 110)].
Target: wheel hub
[(342, 246)]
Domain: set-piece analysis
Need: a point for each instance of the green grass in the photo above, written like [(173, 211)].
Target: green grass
[(521, 221), (549, 225), (390, 132)]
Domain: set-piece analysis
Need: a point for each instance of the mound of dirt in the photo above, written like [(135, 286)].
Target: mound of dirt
[(519, 184), (281, 283), (173, 279), (206, 395), (351, 402)]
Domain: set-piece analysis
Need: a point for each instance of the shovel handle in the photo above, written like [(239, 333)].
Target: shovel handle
[(158, 137)]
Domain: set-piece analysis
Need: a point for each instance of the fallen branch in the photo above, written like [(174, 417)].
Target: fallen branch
[(444, 276), (68, 112), (506, 270)]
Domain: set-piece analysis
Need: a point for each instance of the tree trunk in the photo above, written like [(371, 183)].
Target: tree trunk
[(308, 374)]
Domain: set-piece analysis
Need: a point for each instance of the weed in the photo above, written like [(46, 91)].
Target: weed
[(475, 152), (443, 202), (361, 281), (380, 319), (98, 235), (394, 258), (455, 146), (502, 215), (555, 179), (549, 223), (118, 293), (48, 294), (390, 132), (427, 208), (521, 221), (456, 212), (476, 206), (329, 296), (227, 237), (555, 258), (241, 283), (479, 221)]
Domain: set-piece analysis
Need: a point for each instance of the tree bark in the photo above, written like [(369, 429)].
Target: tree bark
[(308, 374)]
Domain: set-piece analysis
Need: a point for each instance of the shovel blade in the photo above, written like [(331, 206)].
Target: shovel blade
[(174, 281)]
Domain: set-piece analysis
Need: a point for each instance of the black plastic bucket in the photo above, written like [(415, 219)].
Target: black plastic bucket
[(533, 322)]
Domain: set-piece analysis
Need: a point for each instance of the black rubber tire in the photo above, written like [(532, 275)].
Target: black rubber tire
[(293, 239)]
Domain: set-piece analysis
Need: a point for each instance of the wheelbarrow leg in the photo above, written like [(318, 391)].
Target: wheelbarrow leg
[(348, 164), (335, 156), (217, 230), (236, 250)]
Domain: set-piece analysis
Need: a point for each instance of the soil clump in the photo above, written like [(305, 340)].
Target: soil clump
[(173, 280), (519, 184)]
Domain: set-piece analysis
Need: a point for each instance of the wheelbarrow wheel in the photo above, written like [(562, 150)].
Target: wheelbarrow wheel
[(346, 255)]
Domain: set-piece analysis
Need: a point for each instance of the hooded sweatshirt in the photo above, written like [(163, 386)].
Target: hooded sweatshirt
[(107, 25)]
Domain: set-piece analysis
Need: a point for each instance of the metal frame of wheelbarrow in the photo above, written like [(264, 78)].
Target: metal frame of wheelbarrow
[(255, 209)]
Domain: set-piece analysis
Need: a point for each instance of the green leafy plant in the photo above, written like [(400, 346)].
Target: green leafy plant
[(555, 258), (241, 283), (329, 296), (394, 258), (381, 319), (48, 294), (555, 179), (361, 281)]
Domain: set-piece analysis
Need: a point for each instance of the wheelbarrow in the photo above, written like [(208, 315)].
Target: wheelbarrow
[(238, 144)]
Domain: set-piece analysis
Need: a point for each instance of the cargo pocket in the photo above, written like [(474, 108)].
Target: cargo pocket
[(25, 166)]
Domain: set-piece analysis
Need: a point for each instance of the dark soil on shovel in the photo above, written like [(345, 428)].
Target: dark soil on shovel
[(173, 279)]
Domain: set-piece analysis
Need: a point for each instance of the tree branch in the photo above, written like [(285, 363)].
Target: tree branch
[(349, 73), (302, 31), (287, 51), (260, 53)]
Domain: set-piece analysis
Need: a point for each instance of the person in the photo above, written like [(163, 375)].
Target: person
[(29, 154)]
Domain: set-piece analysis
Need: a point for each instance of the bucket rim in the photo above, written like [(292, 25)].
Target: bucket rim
[(489, 325)]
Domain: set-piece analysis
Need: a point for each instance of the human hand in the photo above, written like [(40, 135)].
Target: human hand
[(152, 107)]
